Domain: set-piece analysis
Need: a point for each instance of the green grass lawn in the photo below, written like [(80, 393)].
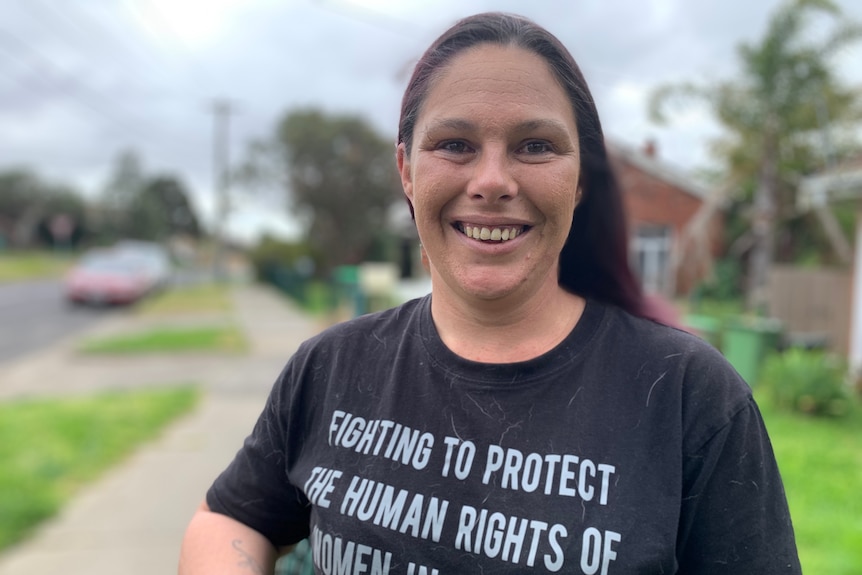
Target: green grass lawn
[(180, 301), (821, 464), (19, 266), (201, 298), (225, 339), (49, 448)]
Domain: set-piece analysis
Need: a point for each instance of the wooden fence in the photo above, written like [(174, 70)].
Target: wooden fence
[(814, 304)]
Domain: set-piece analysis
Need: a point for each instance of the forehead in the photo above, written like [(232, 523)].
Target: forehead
[(504, 82)]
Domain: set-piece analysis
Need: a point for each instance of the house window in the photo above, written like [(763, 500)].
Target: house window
[(651, 252)]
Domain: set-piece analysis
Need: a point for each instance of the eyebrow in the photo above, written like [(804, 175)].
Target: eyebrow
[(451, 123), (526, 125)]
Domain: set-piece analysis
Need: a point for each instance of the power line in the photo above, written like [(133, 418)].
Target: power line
[(51, 76), (90, 26), (80, 27), (74, 34)]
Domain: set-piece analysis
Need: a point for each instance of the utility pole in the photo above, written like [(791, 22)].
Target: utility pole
[(222, 110)]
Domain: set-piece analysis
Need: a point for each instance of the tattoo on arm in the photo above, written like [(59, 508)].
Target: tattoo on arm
[(246, 560)]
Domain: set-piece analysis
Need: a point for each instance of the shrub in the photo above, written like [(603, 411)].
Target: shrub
[(809, 381), (272, 254), (725, 283)]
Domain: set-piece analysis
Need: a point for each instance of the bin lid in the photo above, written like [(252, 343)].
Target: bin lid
[(704, 323), (756, 323)]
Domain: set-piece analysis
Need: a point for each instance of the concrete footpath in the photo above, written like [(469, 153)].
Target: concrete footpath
[(131, 521)]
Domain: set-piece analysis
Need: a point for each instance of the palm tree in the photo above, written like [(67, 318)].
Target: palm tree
[(773, 114)]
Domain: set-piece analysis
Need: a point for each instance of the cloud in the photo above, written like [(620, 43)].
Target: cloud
[(80, 83)]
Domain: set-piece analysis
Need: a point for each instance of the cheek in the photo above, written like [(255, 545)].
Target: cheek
[(563, 204), (425, 216), (429, 199), (561, 210)]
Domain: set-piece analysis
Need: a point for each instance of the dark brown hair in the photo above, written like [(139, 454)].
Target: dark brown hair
[(594, 261)]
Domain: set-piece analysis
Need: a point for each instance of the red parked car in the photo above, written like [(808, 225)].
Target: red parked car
[(104, 278)]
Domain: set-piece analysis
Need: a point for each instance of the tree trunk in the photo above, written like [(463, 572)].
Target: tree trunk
[(692, 257), (839, 242), (763, 228)]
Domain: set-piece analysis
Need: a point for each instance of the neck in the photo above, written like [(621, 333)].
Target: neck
[(505, 331)]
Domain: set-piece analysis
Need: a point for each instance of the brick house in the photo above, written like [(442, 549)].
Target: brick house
[(675, 233)]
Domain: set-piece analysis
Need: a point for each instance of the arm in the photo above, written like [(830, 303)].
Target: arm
[(215, 543)]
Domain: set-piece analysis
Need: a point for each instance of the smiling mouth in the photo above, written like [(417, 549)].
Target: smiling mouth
[(490, 233)]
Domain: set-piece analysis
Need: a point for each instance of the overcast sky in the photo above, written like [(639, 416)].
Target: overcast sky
[(81, 80)]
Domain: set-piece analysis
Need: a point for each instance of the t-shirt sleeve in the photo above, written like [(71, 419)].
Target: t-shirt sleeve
[(254, 488), (734, 516)]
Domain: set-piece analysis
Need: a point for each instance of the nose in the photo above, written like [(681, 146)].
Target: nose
[(492, 179)]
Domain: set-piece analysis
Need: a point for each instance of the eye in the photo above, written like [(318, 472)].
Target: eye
[(454, 146), (537, 147)]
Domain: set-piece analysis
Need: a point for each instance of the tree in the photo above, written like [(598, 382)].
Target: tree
[(22, 200), (28, 206), (63, 223), (774, 114), (340, 177), (137, 205), (161, 208), (123, 187)]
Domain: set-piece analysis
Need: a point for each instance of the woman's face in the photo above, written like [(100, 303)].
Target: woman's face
[(493, 174)]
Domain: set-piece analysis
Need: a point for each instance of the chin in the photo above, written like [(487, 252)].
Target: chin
[(490, 286)]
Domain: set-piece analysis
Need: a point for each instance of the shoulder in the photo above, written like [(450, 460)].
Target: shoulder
[(690, 374), (643, 344), (701, 367), (651, 337)]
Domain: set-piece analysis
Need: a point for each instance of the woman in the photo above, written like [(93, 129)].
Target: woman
[(525, 416)]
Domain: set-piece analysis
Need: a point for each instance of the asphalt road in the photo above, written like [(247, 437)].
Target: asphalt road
[(34, 314)]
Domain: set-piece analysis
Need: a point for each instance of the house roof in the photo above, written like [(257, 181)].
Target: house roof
[(657, 168)]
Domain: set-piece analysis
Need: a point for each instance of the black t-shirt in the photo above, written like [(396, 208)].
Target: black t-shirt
[(631, 447)]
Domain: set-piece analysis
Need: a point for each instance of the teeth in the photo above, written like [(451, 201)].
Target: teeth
[(493, 234)]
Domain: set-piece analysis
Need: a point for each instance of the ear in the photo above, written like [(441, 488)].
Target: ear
[(404, 171)]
